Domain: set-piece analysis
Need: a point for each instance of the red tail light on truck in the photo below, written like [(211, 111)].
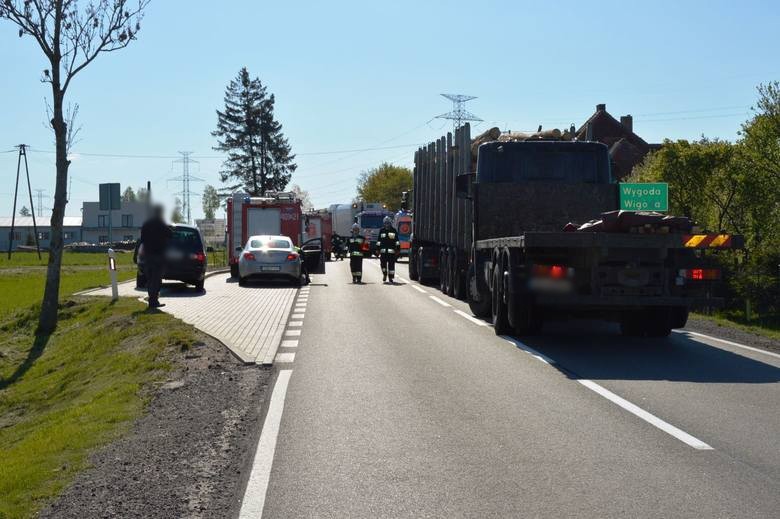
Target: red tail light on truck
[(700, 274)]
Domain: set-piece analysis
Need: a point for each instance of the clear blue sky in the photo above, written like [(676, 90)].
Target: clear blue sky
[(357, 74)]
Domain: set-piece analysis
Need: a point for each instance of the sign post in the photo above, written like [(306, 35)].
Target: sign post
[(112, 273), (644, 196), (110, 200)]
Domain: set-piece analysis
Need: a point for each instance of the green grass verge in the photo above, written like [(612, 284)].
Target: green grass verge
[(23, 277), (22, 288), (63, 395), (768, 328), (30, 259)]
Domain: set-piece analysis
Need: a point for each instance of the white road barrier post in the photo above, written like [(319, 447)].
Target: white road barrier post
[(112, 273)]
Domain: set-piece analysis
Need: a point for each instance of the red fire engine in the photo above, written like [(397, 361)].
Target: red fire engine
[(273, 214)]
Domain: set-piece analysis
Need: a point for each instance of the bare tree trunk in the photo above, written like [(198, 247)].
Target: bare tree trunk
[(47, 321), (48, 318)]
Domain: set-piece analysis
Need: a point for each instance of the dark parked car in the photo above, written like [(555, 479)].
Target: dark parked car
[(186, 258)]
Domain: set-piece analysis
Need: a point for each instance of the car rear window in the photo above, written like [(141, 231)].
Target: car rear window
[(273, 243), (186, 239)]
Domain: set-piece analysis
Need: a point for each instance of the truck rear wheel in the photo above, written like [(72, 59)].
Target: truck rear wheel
[(679, 317), (452, 272), (499, 306), (631, 324), (479, 308), (414, 274), (659, 322), (444, 274)]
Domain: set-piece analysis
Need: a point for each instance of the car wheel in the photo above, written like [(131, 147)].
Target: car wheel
[(241, 282), (199, 285)]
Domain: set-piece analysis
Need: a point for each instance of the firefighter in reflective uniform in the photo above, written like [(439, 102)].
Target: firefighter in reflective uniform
[(355, 248), (389, 249)]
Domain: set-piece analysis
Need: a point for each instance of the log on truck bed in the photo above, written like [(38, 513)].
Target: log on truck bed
[(611, 241)]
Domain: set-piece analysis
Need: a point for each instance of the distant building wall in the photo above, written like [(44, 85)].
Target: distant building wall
[(125, 223), (24, 231)]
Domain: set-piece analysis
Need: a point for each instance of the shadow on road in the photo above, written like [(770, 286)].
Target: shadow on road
[(594, 350)]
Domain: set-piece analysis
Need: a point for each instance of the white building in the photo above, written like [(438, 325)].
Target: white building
[(125, 222), (213, 231), (24, 232)]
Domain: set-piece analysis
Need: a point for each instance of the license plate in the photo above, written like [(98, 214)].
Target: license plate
[(270, 268), (174, 255)]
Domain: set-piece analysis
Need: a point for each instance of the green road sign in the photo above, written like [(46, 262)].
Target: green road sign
[(644, 197)]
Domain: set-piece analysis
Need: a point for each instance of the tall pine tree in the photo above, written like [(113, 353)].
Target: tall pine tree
[(259, 157)]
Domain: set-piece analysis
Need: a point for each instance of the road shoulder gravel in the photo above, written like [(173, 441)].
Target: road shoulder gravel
[(708, 327), (187, 456)]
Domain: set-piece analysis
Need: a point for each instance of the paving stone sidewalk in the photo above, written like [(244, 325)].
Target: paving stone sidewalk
[(248, 320)]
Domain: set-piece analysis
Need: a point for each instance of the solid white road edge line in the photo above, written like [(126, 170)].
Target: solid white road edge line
[(730, 343), (442, 303), (644, 415), (419, 289), (637, 411), (471, 318), (254, 498)]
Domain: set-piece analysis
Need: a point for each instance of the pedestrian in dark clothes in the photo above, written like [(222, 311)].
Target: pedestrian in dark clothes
[(155, 235)]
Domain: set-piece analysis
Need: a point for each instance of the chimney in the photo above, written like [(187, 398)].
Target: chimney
[(628, 122), (601, 107)]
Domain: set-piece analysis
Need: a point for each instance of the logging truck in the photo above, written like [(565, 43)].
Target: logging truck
[(526, 228)]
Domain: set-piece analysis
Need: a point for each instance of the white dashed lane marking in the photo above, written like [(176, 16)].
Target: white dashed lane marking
[(422, 291), (295, 324), (471, 318), (292, 333), (441, 302), (297, 316), (289, 343), (286, 358)]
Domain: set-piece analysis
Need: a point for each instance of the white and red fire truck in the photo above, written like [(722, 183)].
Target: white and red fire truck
[(274, 214)]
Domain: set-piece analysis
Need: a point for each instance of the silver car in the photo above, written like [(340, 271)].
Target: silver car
[(269, 257)]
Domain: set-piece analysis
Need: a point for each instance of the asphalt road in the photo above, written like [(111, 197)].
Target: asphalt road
[(398, 406)]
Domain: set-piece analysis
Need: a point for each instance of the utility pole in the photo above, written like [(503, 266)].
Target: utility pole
[(23, 153), (185, 178), (459, 114)]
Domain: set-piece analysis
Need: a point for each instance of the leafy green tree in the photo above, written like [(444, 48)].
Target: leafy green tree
[(176, 214), (24, 211), (211, 201), (259, 157), (734, 187), (385, 184), (129, 195), (71, 35)]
